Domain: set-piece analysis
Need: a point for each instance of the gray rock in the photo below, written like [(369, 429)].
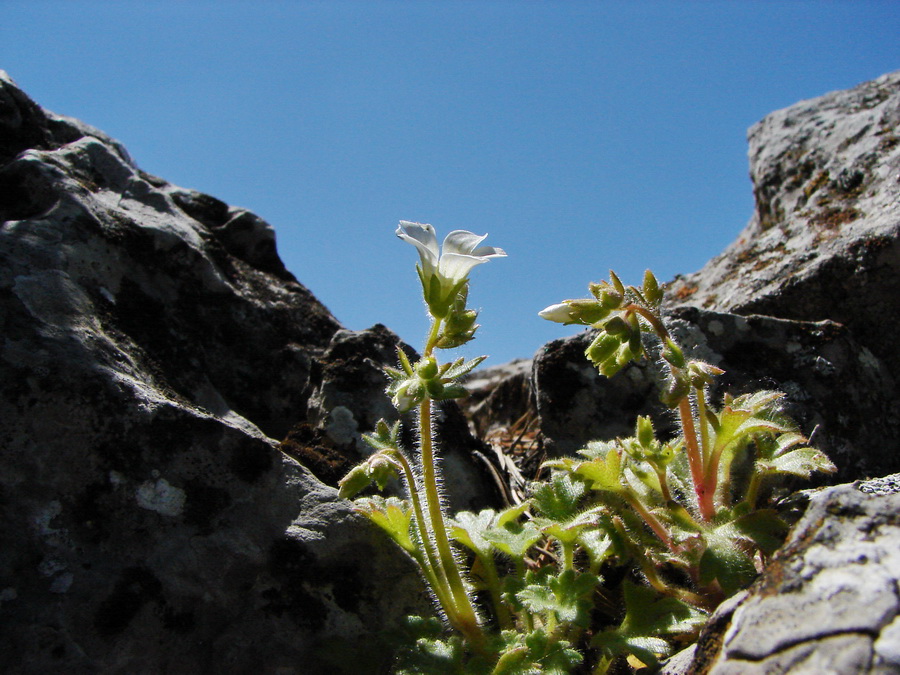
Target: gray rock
[(823, 240), (498, 396), (827, 602), (154, 347)]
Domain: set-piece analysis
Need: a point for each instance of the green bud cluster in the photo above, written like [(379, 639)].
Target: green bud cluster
[(459, 325), (411, 384)]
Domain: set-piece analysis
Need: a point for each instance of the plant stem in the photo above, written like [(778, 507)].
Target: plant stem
[(658, 326), (710, 459), (432, 336), (431, 568), (504, 619), (463, 615), (695, 459), (658, 528)]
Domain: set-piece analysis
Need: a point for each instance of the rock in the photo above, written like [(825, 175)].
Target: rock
[(154, 348), (826, 603), (498, 396), (823, 239), (836, 389), (348, 398), (804, 301)]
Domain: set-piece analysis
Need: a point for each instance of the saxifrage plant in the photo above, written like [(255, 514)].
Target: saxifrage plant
[(619, 553)]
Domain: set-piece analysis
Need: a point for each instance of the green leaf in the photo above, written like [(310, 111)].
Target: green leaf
[(597, 449), (568, 596), (559, 498), (652, 292), (459, 368), (648, 615), (597, 543), (725, 560), (510, 515), (603, 473), (617, 283), (800, 462), (469, 529), (356, 480), (435, 656), (513, 539), (393, 515), (566, 532), (535, 653), (764, 527), (380, 469)]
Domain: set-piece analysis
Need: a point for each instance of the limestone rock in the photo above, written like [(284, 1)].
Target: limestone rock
[(827, 602), (823, 240), (153, 348)]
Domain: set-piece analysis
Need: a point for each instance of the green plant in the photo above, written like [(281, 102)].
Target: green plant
[(619, 553)]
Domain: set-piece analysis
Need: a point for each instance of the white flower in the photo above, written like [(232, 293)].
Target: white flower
[(444, 270), (560, 313), (453, 261)]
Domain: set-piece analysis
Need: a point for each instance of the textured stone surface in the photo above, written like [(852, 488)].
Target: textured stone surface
[(823, 239), (499, 396), (827, 603), (153, 349)]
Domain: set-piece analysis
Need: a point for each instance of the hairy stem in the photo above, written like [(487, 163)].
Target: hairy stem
[(710, 459), (491, 578), (652, 521), (431, 568), (695, 459), (463, 615)]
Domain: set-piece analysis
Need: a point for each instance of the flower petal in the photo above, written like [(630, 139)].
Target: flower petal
[(455, 267), (489, 252), (462, 241), (422, 236), (560, 313)]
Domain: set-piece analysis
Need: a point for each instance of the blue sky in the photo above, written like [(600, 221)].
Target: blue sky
[(582, 136)]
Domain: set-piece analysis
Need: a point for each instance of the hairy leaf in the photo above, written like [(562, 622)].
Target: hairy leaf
[(568, 596)]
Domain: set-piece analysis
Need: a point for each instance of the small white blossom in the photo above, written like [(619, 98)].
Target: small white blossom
[(444, 269), (560, 313)]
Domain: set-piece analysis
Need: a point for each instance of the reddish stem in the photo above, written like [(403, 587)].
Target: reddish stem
[(695, 460)]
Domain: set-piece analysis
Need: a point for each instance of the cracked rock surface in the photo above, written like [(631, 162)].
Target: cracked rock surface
[(827, 603)]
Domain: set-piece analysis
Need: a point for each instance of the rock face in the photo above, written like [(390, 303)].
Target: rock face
[(154, 347), (823, 240), (828, 601), (805, 301)]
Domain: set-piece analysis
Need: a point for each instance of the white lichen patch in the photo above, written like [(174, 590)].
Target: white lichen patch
[(341, 425), (161, 497)]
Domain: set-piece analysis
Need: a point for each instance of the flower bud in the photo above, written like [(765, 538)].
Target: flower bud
[(672, 354), (645, 435), (427, 368), (652, 292), (617, 326), (703, 373)]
